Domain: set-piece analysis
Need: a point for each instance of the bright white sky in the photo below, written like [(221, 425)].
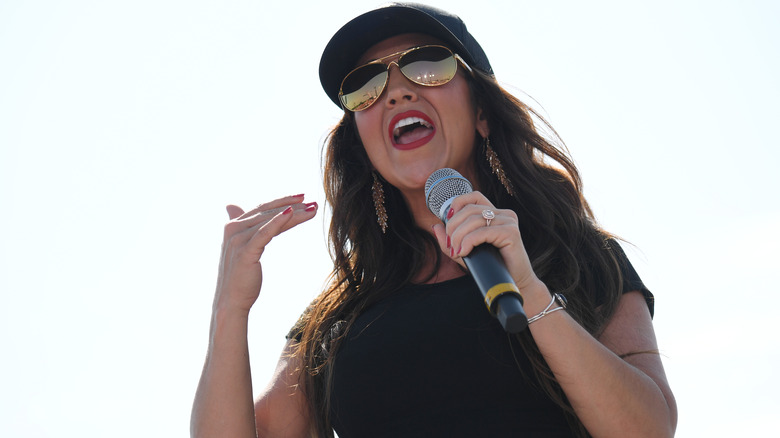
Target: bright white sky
[(125, 127)]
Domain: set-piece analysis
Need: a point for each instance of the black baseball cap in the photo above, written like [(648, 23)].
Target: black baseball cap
[(354, 38)]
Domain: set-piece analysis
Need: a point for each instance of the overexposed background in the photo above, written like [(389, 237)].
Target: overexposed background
[(126, 127)]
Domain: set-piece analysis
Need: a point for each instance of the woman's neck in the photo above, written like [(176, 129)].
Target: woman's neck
[(448, 269), (419, 210)]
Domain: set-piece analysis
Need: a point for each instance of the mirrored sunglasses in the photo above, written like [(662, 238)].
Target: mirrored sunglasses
[(430, 66)]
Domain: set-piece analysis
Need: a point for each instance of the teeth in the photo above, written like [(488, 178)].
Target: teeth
[(409, 121)]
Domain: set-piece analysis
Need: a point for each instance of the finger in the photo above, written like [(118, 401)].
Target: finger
[(500, 236), (281, 222), (469, 228), (273, 207), (445, 245), (468, 202), (261, 213), (234, 211), (470, 198), (239, 231), (469, 217), (263, 216), (440, 233), (301, 213)]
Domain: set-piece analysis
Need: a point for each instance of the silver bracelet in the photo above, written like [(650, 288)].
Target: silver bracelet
[(556, 297)]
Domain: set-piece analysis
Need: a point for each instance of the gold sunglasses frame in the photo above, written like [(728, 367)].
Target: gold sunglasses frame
[(387, 65)]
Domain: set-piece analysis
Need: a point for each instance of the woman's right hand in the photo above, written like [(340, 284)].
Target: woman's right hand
[(245, 239)]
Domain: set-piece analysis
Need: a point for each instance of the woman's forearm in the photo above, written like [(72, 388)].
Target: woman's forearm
[(610, 396), (223, 403)]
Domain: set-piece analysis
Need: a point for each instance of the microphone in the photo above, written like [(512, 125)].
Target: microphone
[(487, 267)]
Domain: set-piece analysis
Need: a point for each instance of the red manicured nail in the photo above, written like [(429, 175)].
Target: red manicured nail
[(310, 206), (288, 210), (297, 196), (460, 248), (449, 243), (450, 213), (452, 252)]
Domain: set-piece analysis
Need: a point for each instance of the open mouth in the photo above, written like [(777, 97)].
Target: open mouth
[(411, 130)]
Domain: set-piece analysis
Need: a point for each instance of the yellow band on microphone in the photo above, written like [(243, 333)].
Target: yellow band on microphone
[(498, 290)]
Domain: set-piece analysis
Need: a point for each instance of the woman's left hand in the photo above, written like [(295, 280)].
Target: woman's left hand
[(632, 390), (467, 228)]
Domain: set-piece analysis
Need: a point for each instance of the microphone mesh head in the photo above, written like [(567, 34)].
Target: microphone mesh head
[(443, 185)]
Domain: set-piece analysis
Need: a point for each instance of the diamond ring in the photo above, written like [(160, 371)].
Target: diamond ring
[(488, 215)]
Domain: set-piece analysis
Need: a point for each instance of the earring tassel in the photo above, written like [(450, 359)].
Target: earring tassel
[(497, 168), (378, 193)]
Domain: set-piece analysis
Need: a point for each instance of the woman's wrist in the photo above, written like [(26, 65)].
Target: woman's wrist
[(557, 303), (228, 326), (230, 304), (223, 313), (536, 297)]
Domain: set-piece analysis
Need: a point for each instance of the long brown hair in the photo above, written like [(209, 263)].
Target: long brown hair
[(568, 251)]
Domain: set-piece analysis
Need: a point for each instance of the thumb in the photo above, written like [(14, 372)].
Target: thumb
[(234, 211)]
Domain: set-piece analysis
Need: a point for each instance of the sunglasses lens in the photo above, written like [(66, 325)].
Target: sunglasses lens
[(429, 66), (363, 86)]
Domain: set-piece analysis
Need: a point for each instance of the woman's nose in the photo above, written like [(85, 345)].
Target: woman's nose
[(399, 88)]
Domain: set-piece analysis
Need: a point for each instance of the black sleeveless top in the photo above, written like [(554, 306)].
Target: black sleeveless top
[(430, 361)]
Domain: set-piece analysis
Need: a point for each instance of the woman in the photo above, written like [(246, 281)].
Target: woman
[(400, 343)]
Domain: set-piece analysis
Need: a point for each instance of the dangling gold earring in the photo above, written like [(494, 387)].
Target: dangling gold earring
[(378, 193), (495, 165)]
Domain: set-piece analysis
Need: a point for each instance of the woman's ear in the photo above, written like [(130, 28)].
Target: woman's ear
[(482, 124)]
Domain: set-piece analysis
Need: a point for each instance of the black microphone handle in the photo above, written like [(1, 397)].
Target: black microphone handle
[(488, 270)]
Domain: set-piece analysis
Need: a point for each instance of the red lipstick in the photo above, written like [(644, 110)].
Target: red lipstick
[(410, 130)]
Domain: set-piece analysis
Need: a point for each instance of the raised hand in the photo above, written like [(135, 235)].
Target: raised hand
[(244, 241)]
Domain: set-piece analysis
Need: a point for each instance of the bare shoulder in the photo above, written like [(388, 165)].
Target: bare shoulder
[(281, 410)]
